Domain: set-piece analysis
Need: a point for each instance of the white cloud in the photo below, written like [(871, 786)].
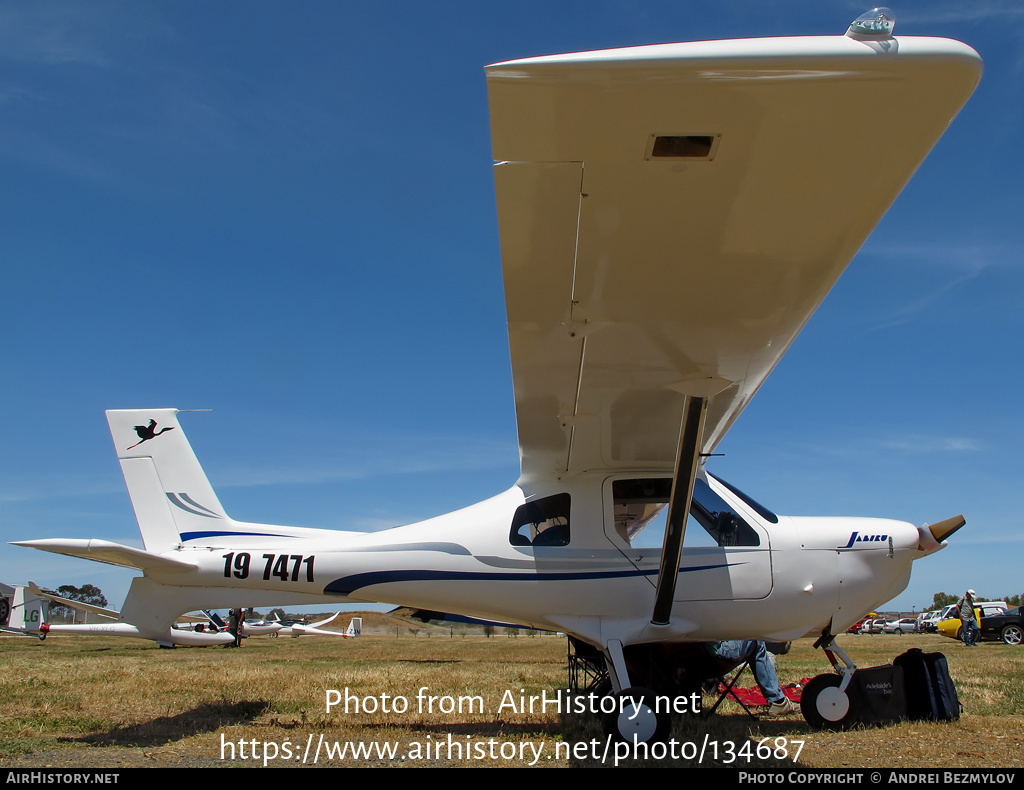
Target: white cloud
[(931, 444)]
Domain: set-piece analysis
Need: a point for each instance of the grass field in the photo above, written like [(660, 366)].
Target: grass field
[(105, 702)]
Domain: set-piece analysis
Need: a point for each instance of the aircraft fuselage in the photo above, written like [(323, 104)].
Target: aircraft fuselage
[(802, 574)]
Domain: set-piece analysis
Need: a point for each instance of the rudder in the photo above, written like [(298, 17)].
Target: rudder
[(28, 611), (171, 495)]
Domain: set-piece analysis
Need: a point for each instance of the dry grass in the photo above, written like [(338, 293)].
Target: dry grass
[(105, 702)]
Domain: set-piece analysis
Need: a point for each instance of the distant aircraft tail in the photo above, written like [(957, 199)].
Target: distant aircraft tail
[(172, 498), (355, 627), (28, 613)]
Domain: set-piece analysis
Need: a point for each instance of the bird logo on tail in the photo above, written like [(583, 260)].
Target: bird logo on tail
[(147, 432)]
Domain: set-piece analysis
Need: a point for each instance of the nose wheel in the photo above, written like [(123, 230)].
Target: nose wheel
[(826, 706)]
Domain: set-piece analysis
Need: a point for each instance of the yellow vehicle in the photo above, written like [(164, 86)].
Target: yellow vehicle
[(951, 626)]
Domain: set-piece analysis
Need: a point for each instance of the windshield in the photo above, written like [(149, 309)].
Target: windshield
[(640, 502)]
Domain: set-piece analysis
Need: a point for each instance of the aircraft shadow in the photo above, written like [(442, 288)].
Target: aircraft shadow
[(207, 717), (488, 728)]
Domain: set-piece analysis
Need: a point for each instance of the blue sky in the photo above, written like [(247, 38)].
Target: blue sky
[(285, 213)]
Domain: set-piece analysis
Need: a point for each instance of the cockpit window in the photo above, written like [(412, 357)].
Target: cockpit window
[(640, 502), (717, 516), (543, 522), (753, 504)]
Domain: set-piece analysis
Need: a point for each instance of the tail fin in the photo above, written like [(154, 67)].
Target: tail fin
[(355, 627), (172, 498), (28, 611)]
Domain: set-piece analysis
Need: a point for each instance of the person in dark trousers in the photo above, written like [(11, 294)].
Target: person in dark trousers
[(235, 626), (757, 654), (969, 630)]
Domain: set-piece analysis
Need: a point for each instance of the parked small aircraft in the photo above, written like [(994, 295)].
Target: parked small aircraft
[(296, 629), (274, 627), (670, 218), (253, 626), (257, 626), (29, 617)]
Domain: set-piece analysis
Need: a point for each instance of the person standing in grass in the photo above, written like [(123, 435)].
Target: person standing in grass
[(969, 630)]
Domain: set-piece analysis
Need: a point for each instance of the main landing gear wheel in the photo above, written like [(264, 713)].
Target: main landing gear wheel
[(635, 719), (1012, 634), (825, 707)]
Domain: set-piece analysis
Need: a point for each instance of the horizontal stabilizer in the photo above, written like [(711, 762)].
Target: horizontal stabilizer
[(109, 553)]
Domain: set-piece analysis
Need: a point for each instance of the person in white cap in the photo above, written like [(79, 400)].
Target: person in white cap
[(969, 630)]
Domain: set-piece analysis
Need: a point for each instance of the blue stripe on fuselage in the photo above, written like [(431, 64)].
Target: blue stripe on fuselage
[(349, 584)]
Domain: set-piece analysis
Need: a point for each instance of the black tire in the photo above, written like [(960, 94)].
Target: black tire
[(1012, 634), (831, 711), (638, 721)]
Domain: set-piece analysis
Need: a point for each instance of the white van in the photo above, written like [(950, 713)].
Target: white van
[(981, 608)]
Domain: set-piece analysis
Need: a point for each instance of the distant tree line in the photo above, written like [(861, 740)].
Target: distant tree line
[(941, 599), (87, 593)]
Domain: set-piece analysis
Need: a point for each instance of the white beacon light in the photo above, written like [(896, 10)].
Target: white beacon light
[(876, 23)]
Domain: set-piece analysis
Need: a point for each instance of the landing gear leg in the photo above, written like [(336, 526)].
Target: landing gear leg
[(826, 702), (636, 718)]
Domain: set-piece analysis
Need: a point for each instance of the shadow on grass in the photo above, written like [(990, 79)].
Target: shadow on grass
[(204, 718), (489, 729)]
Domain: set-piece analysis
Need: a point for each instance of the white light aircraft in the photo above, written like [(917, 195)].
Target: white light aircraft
[(670, 218)]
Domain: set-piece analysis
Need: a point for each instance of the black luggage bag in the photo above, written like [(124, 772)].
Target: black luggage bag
[(931, 694), (879, 694)]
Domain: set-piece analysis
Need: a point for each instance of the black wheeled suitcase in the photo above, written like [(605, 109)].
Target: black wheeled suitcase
[(931, 694)]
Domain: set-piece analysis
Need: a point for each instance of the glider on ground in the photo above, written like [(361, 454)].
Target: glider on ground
[(296, 629), (29, 612)]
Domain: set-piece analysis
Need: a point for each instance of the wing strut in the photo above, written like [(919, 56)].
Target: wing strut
[(691, 434)]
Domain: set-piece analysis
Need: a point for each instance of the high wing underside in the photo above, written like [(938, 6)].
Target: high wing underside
[(671, 216)]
